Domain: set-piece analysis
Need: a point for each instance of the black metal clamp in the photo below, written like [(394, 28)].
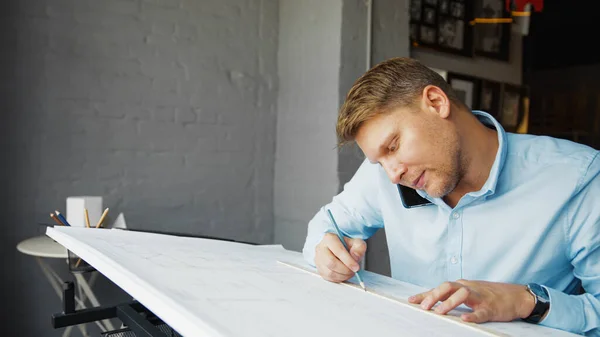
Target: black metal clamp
[(133, 315)]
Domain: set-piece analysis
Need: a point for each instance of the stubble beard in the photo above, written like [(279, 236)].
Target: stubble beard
[(451, 175)]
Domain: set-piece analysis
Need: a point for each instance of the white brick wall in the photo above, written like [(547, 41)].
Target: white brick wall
[(151, 91), (167, 108)]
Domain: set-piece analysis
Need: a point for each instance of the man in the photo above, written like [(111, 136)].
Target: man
[(513, 229)]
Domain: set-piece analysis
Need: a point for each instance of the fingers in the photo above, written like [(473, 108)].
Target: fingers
[(418, 298), (478, 316), (332, 269), (332, 263), (338, 249), (329, 265), (453, 301), (358, 248), (489, 301), (430, 298), (441, 293)]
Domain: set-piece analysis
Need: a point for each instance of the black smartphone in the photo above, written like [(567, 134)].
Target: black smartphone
[(410, 198)]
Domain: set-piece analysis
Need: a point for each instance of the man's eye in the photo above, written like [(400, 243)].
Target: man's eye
[(392, 148)]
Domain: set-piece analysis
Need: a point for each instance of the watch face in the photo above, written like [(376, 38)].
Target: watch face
[(539, 292)]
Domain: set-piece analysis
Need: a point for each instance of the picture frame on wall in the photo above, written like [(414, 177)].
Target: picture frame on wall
[(489, 97), (504, 101), (492, 40), (466, 88), (442, 25), (511, 107)]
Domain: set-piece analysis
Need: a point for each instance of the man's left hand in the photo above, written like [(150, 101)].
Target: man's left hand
[(490, 301)]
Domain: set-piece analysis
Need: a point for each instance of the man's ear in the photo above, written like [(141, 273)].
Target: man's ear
[(435, 100)]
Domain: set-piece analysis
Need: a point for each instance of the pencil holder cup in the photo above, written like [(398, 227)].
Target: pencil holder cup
[(77, 264)]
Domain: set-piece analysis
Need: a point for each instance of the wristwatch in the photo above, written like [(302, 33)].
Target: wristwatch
[(542, 303)]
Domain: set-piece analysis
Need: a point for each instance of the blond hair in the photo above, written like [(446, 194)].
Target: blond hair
[(394, 83)]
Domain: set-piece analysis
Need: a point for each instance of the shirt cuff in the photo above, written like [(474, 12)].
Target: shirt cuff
[(565, 313)]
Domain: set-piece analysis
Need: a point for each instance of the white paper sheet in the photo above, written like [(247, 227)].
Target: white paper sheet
[(215, 288)]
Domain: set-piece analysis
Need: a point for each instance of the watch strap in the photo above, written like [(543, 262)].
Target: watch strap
[(542, 303)]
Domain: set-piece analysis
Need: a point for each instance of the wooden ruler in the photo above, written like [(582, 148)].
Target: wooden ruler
[(453, 319)]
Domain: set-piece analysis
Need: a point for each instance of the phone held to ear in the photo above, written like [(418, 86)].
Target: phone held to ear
[(410, 198)]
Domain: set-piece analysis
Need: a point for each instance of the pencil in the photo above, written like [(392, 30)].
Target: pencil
[(102, 218), (87, 218), (339, 234), (62, 218), (56, 219)]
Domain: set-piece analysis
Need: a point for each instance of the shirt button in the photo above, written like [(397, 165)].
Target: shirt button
[(455, 215), (454, 260)]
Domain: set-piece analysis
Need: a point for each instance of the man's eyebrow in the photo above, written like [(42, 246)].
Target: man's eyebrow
[(383, 146), (387, 141)]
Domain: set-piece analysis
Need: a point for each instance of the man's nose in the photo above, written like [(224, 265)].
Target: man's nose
[(394, 171)]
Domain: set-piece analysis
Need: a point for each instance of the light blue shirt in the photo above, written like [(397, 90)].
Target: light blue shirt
[(536, 219)]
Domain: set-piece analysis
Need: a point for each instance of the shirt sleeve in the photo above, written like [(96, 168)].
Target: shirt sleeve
[(581, 313), (356, 210)]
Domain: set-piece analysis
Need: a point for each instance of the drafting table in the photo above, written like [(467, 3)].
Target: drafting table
[(42, 247), (202, 287)]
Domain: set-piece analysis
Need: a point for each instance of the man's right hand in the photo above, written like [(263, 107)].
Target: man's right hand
[(334, 263)]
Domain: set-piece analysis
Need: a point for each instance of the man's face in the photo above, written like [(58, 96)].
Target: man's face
[(417, 148)]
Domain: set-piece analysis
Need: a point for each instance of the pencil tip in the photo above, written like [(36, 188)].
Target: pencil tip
[(362, 284)]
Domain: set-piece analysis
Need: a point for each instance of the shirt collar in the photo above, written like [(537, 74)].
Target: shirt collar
[(489, 187)]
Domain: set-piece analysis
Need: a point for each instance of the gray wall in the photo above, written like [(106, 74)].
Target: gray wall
[(165, 108), (305, 157), (355, 54)]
